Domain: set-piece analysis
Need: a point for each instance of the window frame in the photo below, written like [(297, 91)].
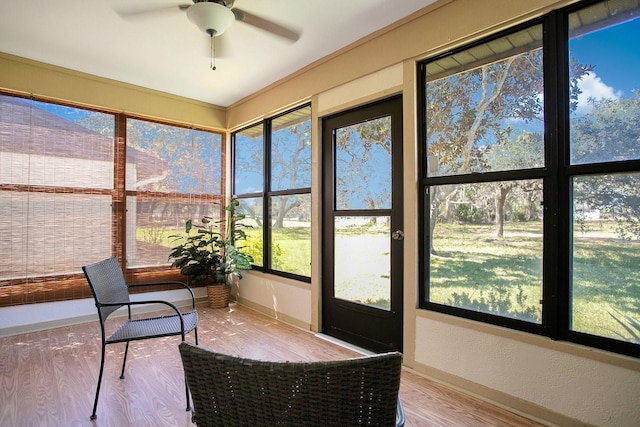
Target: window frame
[(267, 194), (166, 196), (556, 175), (60, 287)]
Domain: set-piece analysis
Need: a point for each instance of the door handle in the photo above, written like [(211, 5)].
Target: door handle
[(397, 235)]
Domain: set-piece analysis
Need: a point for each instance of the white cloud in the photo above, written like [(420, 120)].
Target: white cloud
[(592, 86)]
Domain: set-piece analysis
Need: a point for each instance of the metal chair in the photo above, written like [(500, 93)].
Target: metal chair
[(234, 391), (111, 293)]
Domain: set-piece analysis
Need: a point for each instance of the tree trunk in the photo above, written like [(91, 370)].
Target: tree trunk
[(501, 197), (282, 211), (528, 212)]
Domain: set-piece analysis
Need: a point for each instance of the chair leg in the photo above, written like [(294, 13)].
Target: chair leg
[(186, 389), (95, 402), (186, 386), (124, 359)]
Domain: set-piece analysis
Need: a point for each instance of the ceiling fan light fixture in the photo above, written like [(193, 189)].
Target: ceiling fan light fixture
[(211, 18)]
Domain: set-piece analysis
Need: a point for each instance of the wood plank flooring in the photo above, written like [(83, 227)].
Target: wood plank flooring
[(48, 378)]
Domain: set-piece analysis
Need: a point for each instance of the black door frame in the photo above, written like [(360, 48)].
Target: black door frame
[(365, 326)]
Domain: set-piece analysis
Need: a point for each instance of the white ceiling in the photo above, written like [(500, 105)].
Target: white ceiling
[(166, 52)]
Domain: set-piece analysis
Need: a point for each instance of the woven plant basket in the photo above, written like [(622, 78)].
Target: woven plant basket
[(218, 296)]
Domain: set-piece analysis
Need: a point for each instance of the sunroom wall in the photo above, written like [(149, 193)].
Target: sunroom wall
[(27, 77)]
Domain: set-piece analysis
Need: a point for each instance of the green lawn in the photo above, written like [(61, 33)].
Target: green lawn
[(474, 269), (606, 284), (362, 264), (292, 245), (292, 249), (159, 236)]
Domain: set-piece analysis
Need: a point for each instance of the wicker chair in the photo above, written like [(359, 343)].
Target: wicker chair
[(233, 391), (111, 293)]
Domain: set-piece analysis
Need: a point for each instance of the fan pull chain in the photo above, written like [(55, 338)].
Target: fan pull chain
[(213, 53)]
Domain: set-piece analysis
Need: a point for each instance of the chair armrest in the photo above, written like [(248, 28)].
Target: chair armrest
[(146, 302), (170, 283)]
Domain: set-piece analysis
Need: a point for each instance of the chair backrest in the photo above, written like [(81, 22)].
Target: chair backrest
[(228, 390), (107, 285)]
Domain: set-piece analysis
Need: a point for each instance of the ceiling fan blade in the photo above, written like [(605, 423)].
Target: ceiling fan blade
[(136, 13), (265, 24)]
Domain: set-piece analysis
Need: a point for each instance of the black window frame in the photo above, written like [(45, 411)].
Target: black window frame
[(266, 194), (556, 174)]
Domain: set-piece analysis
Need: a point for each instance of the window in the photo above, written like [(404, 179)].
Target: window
[(56, 185), (603, 173), (481, 144), (173, 174), (519, 231), (71, 193), (272, 176), (248, 172)]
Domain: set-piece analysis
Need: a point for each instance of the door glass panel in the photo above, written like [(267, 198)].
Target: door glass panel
[(362, 262), (363, 165)]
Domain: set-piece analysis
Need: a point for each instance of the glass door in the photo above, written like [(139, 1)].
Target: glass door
[(363, 236)]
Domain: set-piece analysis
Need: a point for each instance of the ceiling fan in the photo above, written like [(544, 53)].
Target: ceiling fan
[(214, 17)]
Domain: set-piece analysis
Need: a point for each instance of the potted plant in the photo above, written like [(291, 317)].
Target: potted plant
[(210, 256), (234, 260)]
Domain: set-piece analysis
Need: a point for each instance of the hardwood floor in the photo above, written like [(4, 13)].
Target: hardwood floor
[(48, 378)]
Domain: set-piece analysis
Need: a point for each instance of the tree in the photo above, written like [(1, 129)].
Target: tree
[(290, 166), (526, 151), (363, 157), (609, 133), (470, 111), (169, 159), (191, 157)]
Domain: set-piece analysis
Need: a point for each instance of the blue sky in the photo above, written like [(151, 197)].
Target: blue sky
[(615, 52)]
